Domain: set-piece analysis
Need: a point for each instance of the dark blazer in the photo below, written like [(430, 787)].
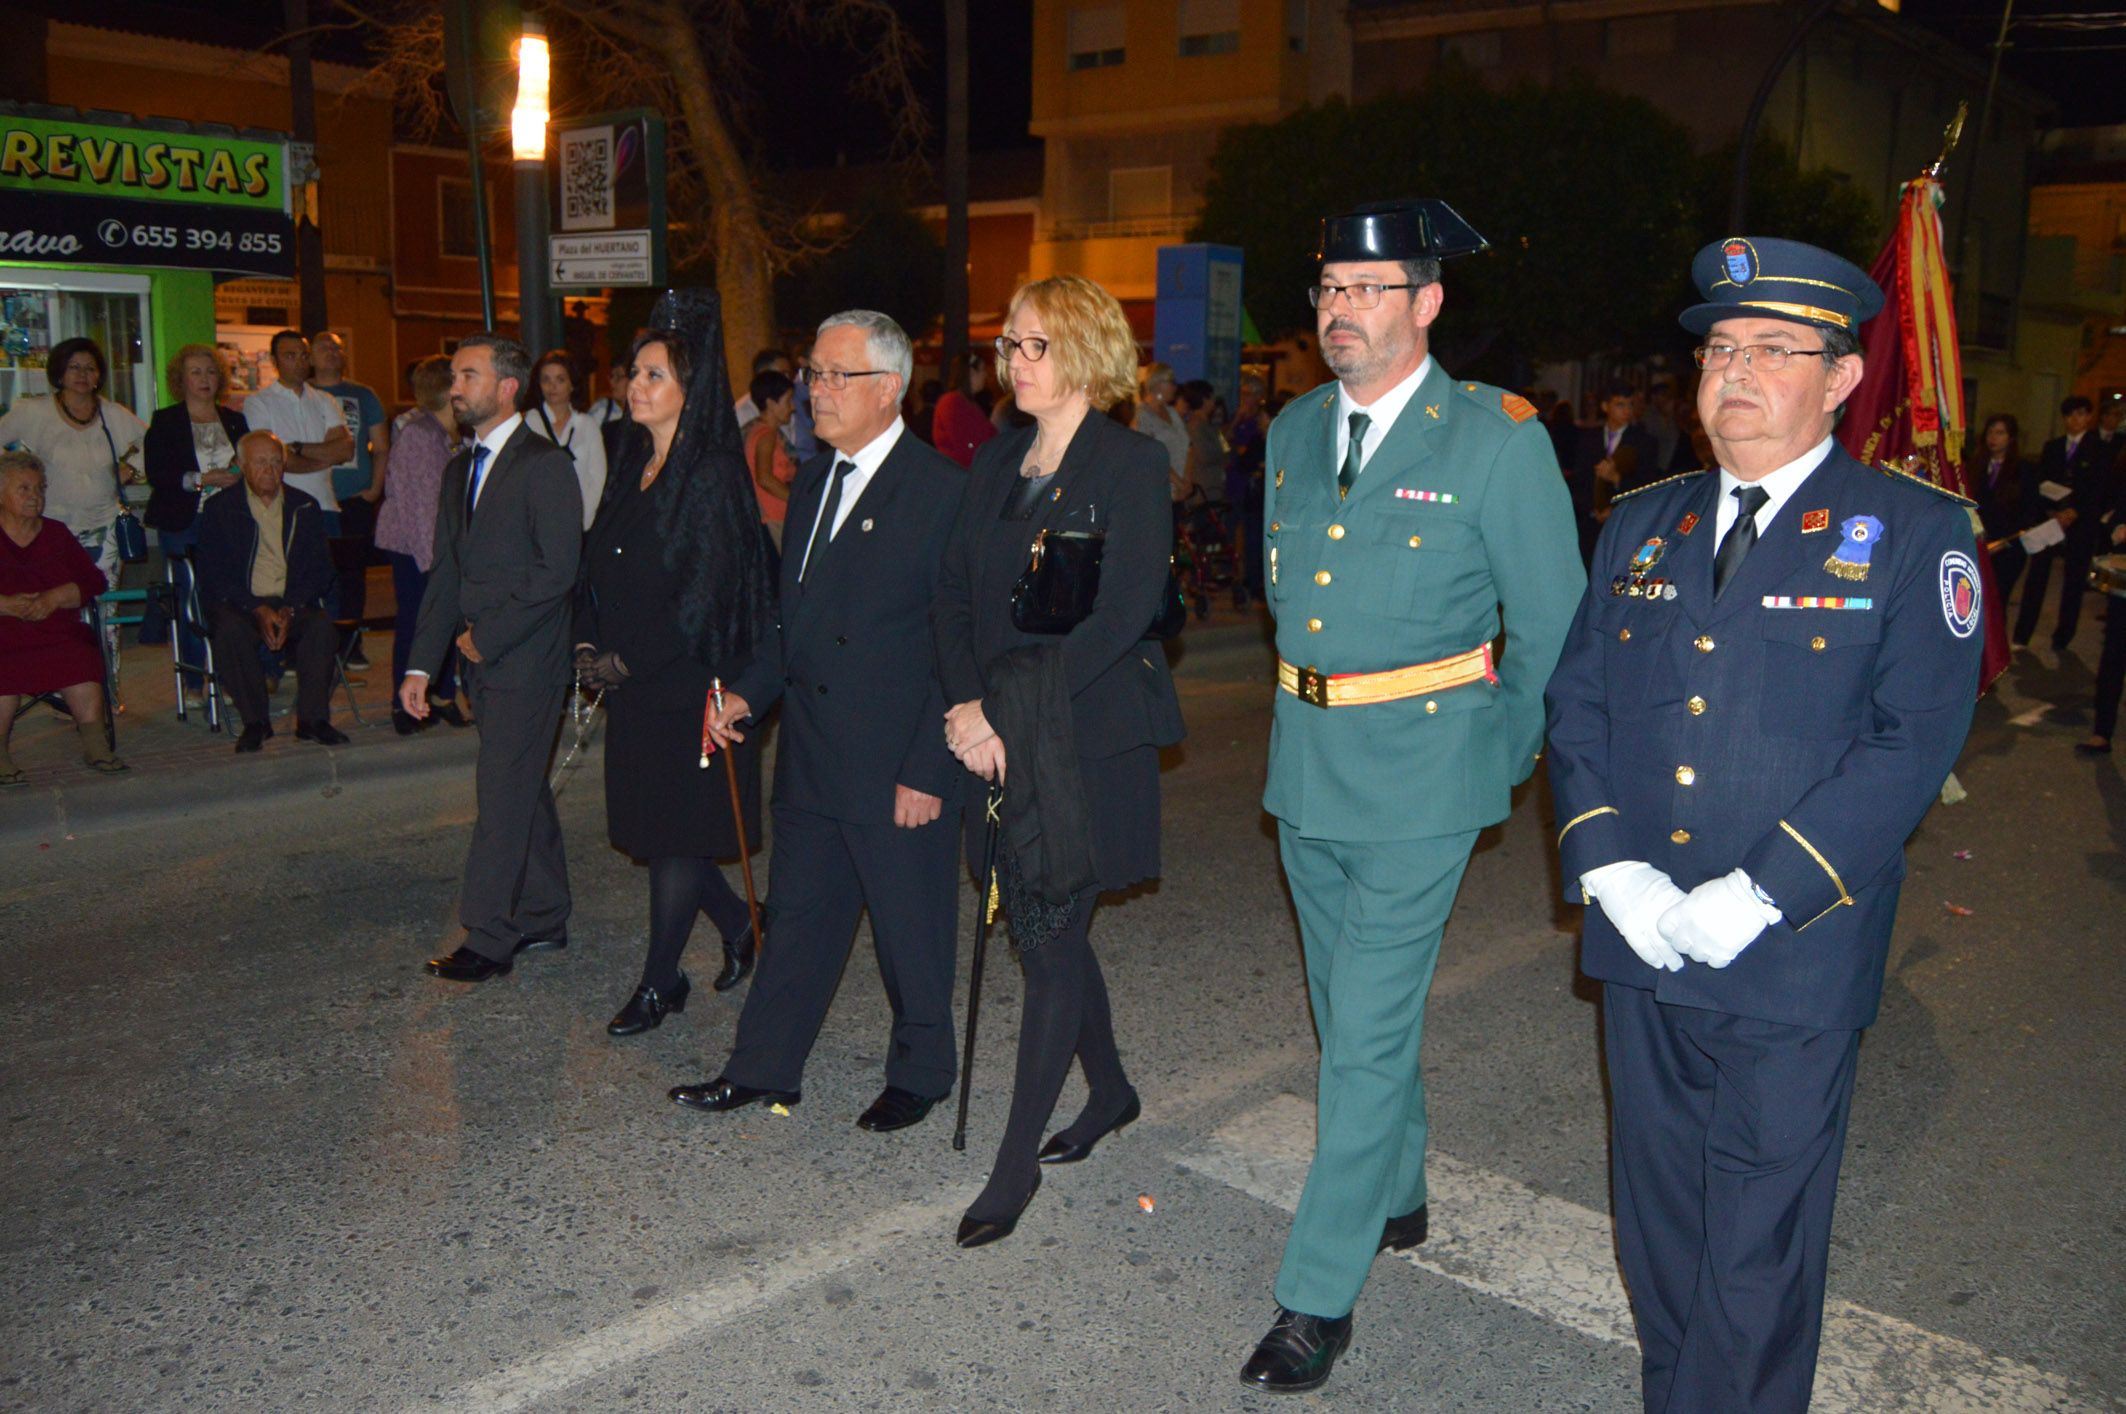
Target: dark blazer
[(626, 604), (2001, 507), (852, 659), (228, 542), (2088, 473), (512, 575), (170, 458), (1638, 462), (1111, 480), (1797, 727)]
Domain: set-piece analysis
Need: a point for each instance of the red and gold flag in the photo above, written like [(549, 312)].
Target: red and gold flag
[(1908, 413)]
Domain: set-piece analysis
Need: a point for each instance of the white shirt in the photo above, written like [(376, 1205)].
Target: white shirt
[(1386, 408), (306, 417), (579, 437), (494, 442), (867, 459), (1779, 485), (80, 487)]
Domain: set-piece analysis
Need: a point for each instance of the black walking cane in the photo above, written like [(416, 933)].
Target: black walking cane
[(985, 914), (714, 707)]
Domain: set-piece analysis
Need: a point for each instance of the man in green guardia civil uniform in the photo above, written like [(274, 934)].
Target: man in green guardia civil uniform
[(1407, 513)]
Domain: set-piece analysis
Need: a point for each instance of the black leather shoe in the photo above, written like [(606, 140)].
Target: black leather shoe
[(737, 962), (720, 1094), (554, 944), (895, 1108), (1298, 1353), (1404, 1232), (646, 1010), (254, 737), (465, 965), (448, 712), (1059, 1150), (404, 722), (980, 1232), (323, 733)]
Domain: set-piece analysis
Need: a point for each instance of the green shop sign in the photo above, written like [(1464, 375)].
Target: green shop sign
[(62, 157)]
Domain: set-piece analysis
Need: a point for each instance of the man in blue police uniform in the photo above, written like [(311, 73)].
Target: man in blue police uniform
[(1405, 513), (1769, 679)]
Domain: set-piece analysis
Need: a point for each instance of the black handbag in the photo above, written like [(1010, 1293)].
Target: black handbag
[(1061, 582), (127, 532)]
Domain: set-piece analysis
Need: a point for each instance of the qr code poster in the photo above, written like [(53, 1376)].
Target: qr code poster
[(587, 179)]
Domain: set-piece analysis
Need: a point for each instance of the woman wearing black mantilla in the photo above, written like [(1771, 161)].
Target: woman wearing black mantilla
[(1079, 717), (675, 590)]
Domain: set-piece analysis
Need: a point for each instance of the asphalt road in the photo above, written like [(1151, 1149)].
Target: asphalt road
[(256, 1160)]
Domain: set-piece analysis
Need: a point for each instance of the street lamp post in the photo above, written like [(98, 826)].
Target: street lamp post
[(527, 139)]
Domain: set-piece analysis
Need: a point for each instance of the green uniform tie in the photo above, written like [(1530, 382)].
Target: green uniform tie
[(1348, 477)]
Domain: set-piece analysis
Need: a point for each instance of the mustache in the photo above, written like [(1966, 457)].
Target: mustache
[(1341, 325)]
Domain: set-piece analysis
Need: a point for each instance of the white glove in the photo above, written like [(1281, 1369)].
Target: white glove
[(1636, 896), (1718, 920)]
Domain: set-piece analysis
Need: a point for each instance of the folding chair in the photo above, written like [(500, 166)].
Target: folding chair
[(189, 616)]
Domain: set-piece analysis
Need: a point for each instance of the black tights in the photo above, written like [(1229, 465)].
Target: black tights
[(680, 887), (1065, 1015)]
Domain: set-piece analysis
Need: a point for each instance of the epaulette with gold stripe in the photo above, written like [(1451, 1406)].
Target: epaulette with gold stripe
[(1917, 480), (1679, 476)]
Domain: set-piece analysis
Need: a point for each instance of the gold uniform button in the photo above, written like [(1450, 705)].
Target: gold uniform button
[(1703, 643), (1680, 837), (1697, 706), (1685, 775), (1336, 532), (1623, 635), (1416, 541), (1313, 625), (1816, 643), (1430, 708), (1321, 576), (1276, 525)]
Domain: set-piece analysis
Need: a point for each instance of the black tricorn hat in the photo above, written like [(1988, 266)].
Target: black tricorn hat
[(1398, 230)]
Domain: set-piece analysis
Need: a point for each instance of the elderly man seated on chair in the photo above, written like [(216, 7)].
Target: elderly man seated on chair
[(263, 573), (46, 579)]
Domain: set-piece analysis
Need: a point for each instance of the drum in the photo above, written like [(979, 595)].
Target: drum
[(2107, 574)]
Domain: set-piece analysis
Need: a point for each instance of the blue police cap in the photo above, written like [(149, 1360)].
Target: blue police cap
[(1397, 230), (1762, 277)]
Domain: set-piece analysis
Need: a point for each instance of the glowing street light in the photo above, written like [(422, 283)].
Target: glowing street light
[(527, 121)]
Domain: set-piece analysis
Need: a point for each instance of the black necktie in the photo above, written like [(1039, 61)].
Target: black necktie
[(1353, 455), (1740, 536), (824, 530), (472, 479)]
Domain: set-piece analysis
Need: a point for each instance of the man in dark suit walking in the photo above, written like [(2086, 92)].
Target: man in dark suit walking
[(2073, 485), (1619, 456), (862, 775), (509, 532)]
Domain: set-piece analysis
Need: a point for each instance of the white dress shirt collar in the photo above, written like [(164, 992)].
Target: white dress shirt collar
[(495, 441), (1779, 485), (864, 464), (1384, 410)]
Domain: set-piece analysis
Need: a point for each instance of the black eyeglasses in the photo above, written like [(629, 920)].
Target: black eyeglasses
[(1768, 357), (1035, 348), (1357, 296), (834, 379)]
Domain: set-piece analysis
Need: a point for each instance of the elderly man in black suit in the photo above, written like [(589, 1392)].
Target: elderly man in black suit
[(863, 778), (509, 533), (263, 576)]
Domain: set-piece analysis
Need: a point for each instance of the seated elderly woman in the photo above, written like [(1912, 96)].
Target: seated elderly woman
[(45, 580)]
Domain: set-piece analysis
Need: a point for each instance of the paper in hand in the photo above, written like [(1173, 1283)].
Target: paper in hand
[(2053, 491), (2042, 536)]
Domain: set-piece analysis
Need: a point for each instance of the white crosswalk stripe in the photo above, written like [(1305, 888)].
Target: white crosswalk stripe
[(1557, 1260)]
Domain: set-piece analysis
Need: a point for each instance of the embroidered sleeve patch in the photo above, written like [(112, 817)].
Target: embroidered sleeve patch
[(1516, 407), (1959, 593)]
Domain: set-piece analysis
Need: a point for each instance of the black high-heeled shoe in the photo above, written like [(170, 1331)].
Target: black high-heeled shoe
[(1059, 1150), (647, 1009), (737, 961), (979, 1232)]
